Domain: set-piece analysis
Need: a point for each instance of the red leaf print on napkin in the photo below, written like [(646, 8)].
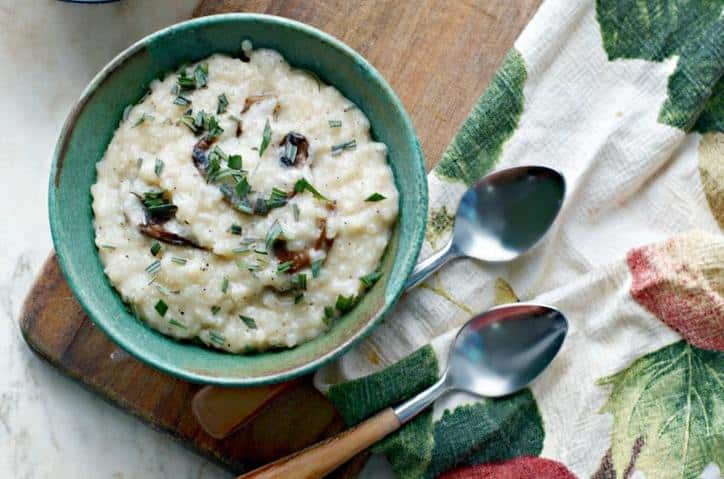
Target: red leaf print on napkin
[(681, 281), (524, 467)]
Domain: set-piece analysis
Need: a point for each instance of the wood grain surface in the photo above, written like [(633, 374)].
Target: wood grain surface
[(438, 56)]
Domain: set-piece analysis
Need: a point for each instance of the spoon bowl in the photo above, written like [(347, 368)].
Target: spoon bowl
[(507, 212), (504, 349), (500, 217)]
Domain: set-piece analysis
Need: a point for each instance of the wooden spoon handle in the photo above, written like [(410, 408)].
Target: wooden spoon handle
[(322, 458)]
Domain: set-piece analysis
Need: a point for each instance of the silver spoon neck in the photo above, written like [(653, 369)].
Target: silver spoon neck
[(413, 406), (432, 263)]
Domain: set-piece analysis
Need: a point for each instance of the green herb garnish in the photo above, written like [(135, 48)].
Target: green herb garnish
[(158, 206), (161, 307), (153, 268), (285, 266), (201, 75), (335, 123), (370, 279), (142, 119), (295, 211), (250, 323), (234, 162), (155, 248), (347, 145), (158, 167), (173, 322), (216, 338), (302, 184), (181, 101), (225, 285), (223, 103), (277, 198), (178, 260), (300, 281), (273, 234), (243, 188), (265, 139), (298, 298), (108, 247), (345, 303), (215, 309), (235, 229), (184, 81), (316, 267), (375, 197)]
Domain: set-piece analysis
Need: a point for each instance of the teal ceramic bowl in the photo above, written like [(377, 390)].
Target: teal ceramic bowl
[(89, 129)]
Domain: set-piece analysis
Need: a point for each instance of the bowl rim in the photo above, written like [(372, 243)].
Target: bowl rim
[(167, 366)]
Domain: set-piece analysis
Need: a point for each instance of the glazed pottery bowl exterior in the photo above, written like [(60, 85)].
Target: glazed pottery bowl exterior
[(89, 129)]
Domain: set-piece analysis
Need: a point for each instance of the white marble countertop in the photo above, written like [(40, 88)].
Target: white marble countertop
[(50, 426)]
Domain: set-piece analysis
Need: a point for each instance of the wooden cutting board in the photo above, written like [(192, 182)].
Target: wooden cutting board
[(438, 56)]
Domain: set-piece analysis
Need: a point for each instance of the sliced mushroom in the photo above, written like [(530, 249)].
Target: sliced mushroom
[(296, 149), (303, 259), (254, 99), (158, 232), (155, 220)]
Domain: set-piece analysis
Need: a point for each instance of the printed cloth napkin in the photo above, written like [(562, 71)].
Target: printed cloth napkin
[(626, 99)]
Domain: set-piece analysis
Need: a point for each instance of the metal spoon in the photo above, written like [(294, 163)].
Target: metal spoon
[(500, 217), (494, 354)]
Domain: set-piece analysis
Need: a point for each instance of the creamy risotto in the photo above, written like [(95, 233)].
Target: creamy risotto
[(243, 203)]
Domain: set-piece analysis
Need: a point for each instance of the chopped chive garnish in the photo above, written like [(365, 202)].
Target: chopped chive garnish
[(173, 322), (108, 247), (181, 101), (243, 187), (158, 167), (215, 309), (234, 118), (142, 119), (201, 75), (126, 112), (164, 290), (225, 285), (161, 307), (265, 139), (335, 123), (316, 267), (277, 198), (240, 250), (302, 184), (347, 145), (223, 103), (298, 298), (216, 338), (375, 197), (328, 314), (184, 81), (235, 162), (370, 279), (155, 248), (139, 162), (285, 266), (295, 211), (271, 236), (300, 281), (153, 268), (345, 303), (179, 260), (235, 229), (250, 323), (213, 130)]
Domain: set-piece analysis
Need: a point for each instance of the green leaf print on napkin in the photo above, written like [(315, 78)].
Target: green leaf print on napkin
[(492, 430), (672, 400), (658, 29), (477, 145)]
